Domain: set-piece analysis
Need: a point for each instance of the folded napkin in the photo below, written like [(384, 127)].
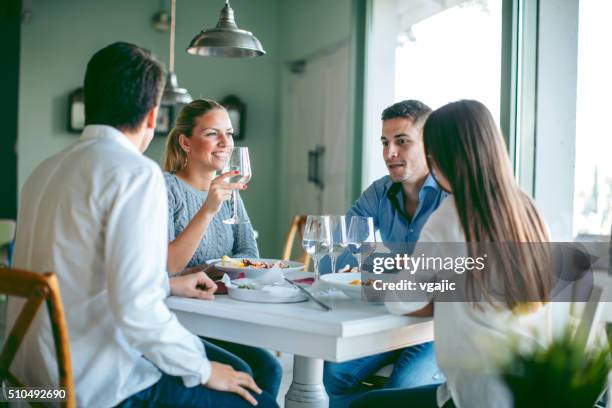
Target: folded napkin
[(304, 281), (221, 288), (270, 276)]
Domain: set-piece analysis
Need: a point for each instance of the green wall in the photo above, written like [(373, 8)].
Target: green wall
[(309, 26), (63, 34)]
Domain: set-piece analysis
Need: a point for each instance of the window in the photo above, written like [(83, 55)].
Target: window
[(450, 53), (431, 50), (593, 167)]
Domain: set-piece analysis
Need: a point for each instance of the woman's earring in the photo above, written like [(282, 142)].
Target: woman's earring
[(185, 163)]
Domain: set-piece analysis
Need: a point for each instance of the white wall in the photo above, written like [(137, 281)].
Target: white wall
[(311, 29), (380, 84), (556, 114)]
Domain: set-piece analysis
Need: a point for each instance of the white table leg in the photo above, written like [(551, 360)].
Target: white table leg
[(306, 390)]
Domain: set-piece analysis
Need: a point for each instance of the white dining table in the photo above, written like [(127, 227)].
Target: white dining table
[(352, 329)]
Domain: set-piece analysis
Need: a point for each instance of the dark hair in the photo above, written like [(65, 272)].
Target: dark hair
[(123, 83), (411, 109), (463, 141), (175, 157)]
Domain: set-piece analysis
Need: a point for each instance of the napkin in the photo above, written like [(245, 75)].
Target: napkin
[(304, 281), (226, 279), (272, 275)]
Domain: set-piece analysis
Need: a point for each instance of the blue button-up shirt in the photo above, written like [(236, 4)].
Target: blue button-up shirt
[(384, 201)]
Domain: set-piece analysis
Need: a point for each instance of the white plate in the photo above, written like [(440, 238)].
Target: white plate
[(341, 281), (264, 293), (233, 271)]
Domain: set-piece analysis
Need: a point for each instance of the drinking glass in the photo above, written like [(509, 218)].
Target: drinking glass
[(317, 239), (361, 238), (238, 161), (339, 237)]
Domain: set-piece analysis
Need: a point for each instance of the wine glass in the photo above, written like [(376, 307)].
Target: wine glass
[(361, 238), (339, 239), (238, 161), (317, 239)]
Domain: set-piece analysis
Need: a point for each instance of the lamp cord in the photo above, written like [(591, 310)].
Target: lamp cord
[(172, 18)]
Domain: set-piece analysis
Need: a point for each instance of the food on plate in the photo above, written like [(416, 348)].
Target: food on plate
[(248, 286), (231, 262), (250, 263), (262, 265), (357, 282)]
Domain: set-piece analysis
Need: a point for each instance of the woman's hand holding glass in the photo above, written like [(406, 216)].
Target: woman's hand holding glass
[(220, 191), (239, 168)]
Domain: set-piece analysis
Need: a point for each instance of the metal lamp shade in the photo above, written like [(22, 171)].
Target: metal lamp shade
[(173, 95), (226, 39)]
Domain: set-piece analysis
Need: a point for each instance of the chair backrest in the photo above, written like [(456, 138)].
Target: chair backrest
[(587, 329), (36, 288), (296, 229)]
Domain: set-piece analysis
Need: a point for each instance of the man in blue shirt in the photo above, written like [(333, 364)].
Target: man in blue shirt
[(400, 203)]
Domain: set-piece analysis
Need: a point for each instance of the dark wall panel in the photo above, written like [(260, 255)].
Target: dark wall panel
[(10, 27)]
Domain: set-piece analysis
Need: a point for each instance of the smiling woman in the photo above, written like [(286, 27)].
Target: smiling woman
[(191, 122), (197, 148)]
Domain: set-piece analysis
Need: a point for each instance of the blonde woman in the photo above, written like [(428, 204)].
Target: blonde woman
[(196, 149)]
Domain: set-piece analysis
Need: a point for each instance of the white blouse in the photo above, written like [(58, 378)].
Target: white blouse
[(471, 342)]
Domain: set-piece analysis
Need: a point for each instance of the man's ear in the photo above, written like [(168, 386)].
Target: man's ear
[(151, 118)]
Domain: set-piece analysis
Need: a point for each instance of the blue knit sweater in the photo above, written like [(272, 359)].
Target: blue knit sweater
[(220, 239)]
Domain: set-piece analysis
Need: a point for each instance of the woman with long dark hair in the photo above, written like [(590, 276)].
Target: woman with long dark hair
[(505, 303)]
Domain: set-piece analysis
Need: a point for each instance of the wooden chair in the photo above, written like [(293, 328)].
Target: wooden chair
[(7, 235), (36, 288), (297, 226)]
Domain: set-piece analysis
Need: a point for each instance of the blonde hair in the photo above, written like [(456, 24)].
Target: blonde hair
[(174, 157)]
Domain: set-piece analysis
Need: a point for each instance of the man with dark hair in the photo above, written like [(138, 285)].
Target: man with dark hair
[(122, 84), (96, 215), (399, 203)]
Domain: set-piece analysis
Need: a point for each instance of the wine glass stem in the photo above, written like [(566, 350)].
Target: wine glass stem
[(332, 259), (316, 268), (234, 205), (358, 256)]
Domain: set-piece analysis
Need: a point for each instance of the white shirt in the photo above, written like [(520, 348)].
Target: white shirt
[(96, 215), (471, 343)]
